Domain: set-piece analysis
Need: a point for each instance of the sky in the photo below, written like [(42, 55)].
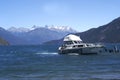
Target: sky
[(80, 15)]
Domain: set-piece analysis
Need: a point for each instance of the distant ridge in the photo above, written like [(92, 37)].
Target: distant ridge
[(9, 37), (35, 35), (109, 33), (52, 27)]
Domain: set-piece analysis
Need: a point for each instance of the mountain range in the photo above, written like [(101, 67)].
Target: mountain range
[(9, 37), (108, 33), (34, 35)]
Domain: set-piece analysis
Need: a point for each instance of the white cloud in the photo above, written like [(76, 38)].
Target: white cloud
[(55, 8)]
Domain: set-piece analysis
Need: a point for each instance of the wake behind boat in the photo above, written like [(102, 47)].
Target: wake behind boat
[(73, 44)]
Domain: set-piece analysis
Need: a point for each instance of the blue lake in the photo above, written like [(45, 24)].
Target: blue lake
[(44, 63)]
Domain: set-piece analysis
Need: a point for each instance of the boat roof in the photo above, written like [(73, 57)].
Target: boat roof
[(72, 37)]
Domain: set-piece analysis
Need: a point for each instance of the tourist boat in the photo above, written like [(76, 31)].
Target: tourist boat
[(73, 44)]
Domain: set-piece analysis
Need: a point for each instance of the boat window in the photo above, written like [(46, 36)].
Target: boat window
[(80, 45), (75, 46), (75, 42), (68, 42)]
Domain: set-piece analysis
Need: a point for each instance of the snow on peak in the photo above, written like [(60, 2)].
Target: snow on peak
[(34, 27), (54, 28), (19, 29), (61, 28)]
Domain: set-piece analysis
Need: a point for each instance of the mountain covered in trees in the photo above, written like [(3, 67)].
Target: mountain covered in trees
[(3, 42), (109, 33)]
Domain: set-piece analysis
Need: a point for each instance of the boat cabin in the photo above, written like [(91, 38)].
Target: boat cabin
[(72, 39)]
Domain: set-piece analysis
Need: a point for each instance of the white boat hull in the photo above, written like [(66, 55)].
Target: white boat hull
[(81, 51)]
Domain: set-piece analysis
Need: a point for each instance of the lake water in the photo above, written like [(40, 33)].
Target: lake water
[(44, 63)]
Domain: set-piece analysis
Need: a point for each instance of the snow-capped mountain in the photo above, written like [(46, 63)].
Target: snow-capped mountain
[(61, 28), (11, 38), (34, 27), (54, 28), (38, 35), (18, 30)]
